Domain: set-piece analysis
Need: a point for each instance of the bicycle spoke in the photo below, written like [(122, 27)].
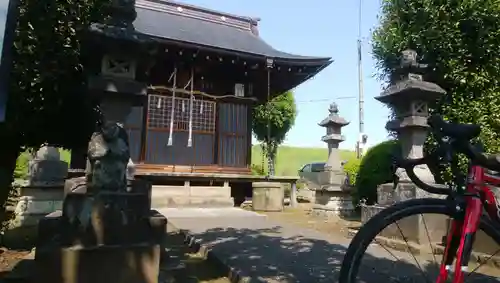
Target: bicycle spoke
[(409, 249), (429, 238), (388, 251), (477, 267)]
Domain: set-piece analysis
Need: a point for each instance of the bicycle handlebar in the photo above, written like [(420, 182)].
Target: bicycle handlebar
[(410, 164), (459, 136)]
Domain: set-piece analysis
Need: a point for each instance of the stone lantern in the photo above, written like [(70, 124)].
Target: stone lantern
[(332, 196), (116, 85), (333, 124), (410, 97)]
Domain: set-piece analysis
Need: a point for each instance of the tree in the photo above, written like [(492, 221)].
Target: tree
[(271, 123), (459, 40), (47, 101)]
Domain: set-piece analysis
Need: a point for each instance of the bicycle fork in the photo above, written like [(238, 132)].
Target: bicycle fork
[(460, 239)]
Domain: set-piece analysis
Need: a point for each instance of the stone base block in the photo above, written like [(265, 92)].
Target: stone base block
[(328, 203), (418, 229), (267, 196), (327, 212), (387, 194), (191, 196), (137, 263), (34, 204), (49, 228)]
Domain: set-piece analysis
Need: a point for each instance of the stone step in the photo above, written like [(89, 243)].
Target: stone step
[(190, 191), (201, 202)]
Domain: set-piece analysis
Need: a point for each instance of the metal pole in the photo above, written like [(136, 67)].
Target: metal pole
[(270, 165), (360, 85), (9, 13)]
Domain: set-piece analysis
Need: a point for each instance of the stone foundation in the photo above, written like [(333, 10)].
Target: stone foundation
[(136, 263), (332, 203), (418, 229), (191, 196)]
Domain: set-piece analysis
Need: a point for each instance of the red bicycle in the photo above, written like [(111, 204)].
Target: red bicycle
[(470, 203)]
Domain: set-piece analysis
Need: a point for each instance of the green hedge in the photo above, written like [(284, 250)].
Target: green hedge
[(351, 168), (376, 168)]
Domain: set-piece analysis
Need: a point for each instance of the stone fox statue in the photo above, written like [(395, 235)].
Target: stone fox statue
[(108, 156)]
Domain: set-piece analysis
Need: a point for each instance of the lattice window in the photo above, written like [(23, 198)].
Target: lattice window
[(160, 109), (419, 108), (118, 67)]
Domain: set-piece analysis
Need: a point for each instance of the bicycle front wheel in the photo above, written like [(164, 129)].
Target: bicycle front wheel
[(360, 245)]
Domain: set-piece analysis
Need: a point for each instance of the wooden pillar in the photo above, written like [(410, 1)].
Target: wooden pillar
[(249, 135), (293, 194), (216, 134), (144, 130)]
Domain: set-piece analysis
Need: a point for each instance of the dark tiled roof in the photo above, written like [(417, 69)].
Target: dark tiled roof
[(202, 27)]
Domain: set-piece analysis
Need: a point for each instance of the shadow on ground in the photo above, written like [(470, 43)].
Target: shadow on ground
[(267, 255)]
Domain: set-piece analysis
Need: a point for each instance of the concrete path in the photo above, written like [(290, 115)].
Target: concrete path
[(261, 250)]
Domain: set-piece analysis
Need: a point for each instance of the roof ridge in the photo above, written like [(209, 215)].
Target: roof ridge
[(201, 13)]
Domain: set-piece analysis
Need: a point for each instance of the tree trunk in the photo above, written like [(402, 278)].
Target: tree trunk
[(9, 152), (263, 147), (271, 159)]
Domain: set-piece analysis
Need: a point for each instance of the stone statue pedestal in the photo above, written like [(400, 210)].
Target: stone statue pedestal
[(125, 264), (122, 243), (106, 230), (333, 198), (40, 195)]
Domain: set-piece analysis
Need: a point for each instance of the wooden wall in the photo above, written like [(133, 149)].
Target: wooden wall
[(233, 133), (219, 137)]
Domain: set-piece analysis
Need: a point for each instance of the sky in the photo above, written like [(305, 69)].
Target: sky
[(321, 28)]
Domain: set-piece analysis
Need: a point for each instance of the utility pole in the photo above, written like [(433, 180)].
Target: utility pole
[(361, 99)]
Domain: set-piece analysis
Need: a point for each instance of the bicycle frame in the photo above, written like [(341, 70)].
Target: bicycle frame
[(462, 231)]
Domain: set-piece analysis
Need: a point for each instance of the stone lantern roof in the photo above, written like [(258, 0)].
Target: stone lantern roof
[(333, 119), (409, 85)]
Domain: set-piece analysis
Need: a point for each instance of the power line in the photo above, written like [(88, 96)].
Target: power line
[(325, 99)]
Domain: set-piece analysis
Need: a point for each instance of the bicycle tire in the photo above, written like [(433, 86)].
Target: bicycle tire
[(373, 227)]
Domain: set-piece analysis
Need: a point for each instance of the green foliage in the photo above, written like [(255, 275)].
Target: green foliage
[(257, 170), (290, 159), (21, 171), (272, 121), (376, 168), (351, 168), (459, 39), (48, 99)]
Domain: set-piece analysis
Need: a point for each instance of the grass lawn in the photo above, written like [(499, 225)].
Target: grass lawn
[(290, 159)]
